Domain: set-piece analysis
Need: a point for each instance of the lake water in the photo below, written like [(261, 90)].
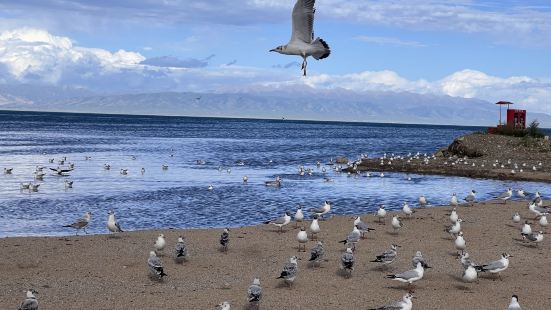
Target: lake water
[(179, 197)]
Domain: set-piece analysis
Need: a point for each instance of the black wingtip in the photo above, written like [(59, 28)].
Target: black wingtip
[(390, 276)]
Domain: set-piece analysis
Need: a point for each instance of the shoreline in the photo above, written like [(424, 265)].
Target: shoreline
[(476, 155), (110, 272)]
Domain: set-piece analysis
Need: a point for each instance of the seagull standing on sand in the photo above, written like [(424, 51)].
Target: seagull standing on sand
[(290, 271), (526, 228), (30, 302), (498, 266), (112, 223), (407, 209), (347, 262), (469, 274), (418, 258), (453, 216), (453, 201), (388, 256), (302, 41), (81, 223), (404, 304), (225, 239), (314, 228), (323, 210), (460, 243), (381, 212), (317, 253), (160, 243), (516, 218), (225, 306), (423, 201), (281, 221), (471, 197), (506, 195), (362, 226), (254, 293), (514, 305), (396, 223), (352, 238), (180, 251), (302, 238), (409, 276), (299, 216), (155, 266), (543, 221), (534, 237)]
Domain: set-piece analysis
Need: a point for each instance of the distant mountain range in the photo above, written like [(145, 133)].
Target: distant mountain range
[(291, 103)]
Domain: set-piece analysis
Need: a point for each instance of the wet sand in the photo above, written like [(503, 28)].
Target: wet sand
[(110, 272)]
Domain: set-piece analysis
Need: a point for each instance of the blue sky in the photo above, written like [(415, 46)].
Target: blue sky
[(485, 49)]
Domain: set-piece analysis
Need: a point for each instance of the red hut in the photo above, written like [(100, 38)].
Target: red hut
[(516, 119)]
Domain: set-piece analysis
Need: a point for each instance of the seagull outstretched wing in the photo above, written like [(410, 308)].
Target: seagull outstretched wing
[(303, 21)]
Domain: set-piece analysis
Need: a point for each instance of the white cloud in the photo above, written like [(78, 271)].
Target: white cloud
[(509, 22), (30, 55)]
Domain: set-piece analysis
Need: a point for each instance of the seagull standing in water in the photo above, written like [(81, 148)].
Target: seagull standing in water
[(302, 41)]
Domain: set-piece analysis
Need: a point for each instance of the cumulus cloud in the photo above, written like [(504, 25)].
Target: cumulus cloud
[(35, 56)]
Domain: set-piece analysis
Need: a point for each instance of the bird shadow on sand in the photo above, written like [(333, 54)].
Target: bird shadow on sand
[(116, 237), (283, 285), (391, 233), (404, 287)]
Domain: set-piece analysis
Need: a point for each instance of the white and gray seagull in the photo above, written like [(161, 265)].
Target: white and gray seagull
[(30, 302), (404, 304), (302, 41)]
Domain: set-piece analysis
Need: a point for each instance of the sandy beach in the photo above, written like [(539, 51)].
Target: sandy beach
[(110, 272)]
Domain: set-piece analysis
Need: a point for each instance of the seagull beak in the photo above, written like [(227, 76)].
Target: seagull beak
[(272, 50)]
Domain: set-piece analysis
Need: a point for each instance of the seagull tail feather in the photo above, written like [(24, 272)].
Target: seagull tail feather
[(390, 276), (323, 47)]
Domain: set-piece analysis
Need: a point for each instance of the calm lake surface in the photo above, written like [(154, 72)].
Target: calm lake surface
[(179, 197)]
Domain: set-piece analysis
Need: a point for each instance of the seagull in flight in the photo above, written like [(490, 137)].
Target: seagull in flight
[(302, 41)]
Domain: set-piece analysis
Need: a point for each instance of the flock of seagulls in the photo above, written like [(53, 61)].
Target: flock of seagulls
[(289, 273)]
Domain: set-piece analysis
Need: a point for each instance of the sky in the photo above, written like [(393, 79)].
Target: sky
[(490, 50)]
